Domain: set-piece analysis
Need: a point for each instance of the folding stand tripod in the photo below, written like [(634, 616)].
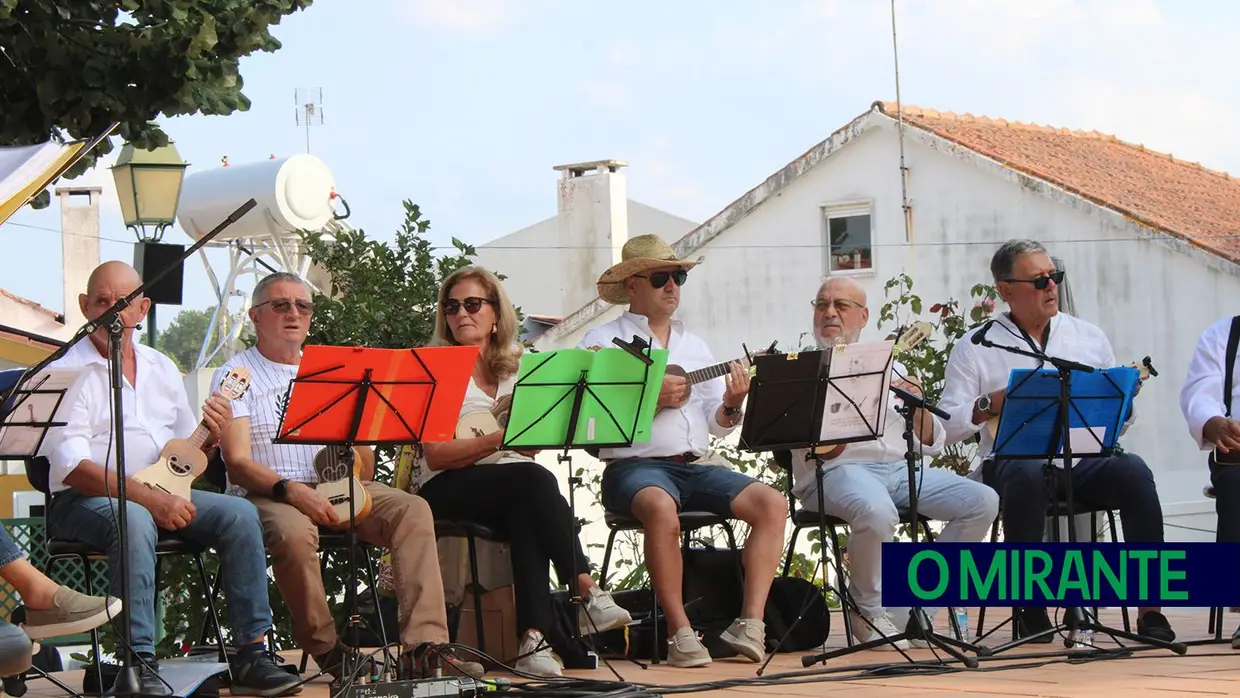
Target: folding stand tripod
[(336, 401), (1075, 618), (184, 677), (538, 420)]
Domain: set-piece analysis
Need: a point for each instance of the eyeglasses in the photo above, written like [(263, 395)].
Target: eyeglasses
[(1042, 282), (841, 305), (283, 306), (452, 306), (659, 279)]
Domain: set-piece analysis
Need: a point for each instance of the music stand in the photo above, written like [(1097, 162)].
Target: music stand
[(352, 396), (185, 676), (584, 399), (1047, 416)]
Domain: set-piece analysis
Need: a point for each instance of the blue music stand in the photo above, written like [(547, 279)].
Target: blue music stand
[(1030, 423)]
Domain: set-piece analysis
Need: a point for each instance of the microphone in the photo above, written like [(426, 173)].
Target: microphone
[(980, 336)]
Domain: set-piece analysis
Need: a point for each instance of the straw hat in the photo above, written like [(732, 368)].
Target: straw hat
[(639, 254)]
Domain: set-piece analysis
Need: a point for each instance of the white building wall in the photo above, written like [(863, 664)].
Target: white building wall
[(1150, 297)]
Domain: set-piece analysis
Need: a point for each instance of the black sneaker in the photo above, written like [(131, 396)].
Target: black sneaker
[(258, 675), (1033, 621), (1154, 625), (331, 662)]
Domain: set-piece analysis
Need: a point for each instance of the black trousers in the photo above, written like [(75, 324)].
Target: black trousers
[(1226, 481), (1122, 482), (522, 501)]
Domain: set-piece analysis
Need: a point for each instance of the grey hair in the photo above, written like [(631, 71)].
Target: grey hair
[(1005, 257), (261, 288)]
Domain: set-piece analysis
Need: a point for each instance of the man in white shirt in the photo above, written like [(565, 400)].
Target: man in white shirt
[(654, 480), (866, 483), (976, 383), (82, 481), (1209, 393), (280, 479)]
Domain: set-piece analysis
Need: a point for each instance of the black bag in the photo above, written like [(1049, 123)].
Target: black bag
[(792, 598), (1229, 363)]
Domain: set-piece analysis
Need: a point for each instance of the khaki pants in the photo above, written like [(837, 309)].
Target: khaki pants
[(398, 521)]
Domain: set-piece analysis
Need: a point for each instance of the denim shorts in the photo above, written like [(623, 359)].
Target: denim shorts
[(694, 487)]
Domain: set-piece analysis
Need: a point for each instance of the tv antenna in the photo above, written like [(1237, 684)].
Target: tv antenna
[(309, 102)]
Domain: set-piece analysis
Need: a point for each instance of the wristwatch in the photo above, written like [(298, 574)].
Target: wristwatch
[(982, 404), (279, 490), (731, 411)]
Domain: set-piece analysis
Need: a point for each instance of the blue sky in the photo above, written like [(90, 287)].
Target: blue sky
[(464, 106)]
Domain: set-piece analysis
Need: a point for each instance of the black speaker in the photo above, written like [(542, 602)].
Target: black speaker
[(151, 258)]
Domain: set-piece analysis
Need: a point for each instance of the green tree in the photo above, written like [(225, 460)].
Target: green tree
[(72, 68), (183, 339)]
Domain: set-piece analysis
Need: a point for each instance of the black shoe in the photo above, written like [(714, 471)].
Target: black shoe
[(1032, 621), (149, 682), (331, 662), (1154, 625), (258, 675)]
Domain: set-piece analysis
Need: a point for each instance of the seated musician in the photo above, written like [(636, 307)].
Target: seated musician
[(471, 478), (976, 382), (866, 483), (281, 480), (655, 480), (82, 480), (1207, 401)]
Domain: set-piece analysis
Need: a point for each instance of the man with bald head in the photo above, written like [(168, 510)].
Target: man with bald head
[(866, 483), (83, 481)]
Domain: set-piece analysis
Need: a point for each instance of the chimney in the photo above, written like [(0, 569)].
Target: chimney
[(593, 226), (79, 244)]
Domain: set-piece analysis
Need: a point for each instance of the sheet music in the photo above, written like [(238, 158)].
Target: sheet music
[(849, 384), (38, 407)]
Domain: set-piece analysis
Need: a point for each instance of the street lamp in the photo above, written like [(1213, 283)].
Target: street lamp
[(148, 185)]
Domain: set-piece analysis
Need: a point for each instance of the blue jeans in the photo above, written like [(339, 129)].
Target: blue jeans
[(694, 487), (16, 654), (228, 524), (9, 552)]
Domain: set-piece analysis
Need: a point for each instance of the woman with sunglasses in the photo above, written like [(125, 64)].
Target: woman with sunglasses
[(472, 479)]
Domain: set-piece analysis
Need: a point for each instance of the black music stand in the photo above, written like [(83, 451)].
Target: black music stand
[(182, 678), (1036, 423), (341, 406), (637, 391)]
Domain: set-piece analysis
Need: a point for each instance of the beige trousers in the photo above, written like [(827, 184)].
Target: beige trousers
[(398, 521)]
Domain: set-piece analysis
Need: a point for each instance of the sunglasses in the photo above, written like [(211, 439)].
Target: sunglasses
[(659, 279), (472, 305), (284, 306), (1042, 282)]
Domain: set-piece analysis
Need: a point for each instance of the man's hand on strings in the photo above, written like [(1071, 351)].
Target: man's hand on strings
[(736, 385), (216, 414), (674, 391)]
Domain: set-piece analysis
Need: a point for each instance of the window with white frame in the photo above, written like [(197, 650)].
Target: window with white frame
[(850, 237)]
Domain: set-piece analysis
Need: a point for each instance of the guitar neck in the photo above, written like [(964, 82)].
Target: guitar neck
[(199, 437), (704, 374)]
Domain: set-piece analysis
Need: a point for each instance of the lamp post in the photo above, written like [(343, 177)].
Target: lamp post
[(148, 185)]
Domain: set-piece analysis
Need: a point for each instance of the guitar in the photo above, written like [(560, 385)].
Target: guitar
[(182, 461), (906, 341), (336, 466), (1144, 367)]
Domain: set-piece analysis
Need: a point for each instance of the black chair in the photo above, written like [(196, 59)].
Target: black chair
[(803, 519), (168, 543), (1215, 624), (472, 532)]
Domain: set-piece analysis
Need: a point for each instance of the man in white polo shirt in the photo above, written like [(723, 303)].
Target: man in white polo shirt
[(280, 480), (651, 481), (976, 383)]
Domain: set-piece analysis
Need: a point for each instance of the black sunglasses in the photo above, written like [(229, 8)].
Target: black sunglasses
[(1042, 282), (283, 306), (472, 305), (659, 278)]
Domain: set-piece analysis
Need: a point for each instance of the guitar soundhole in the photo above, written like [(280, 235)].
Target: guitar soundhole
[(177, 466)]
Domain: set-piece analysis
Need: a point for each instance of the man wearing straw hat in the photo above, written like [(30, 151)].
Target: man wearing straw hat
[(653, 481)]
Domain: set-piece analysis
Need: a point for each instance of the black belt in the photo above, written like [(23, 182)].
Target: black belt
[(683, 458)]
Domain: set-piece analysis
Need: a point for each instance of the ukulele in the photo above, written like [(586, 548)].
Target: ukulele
[(182, 461), (906, 341), (336, 466), (1144, 366), (702, 375)]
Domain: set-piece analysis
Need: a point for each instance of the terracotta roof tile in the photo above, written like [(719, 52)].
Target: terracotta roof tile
[(1195, 203)]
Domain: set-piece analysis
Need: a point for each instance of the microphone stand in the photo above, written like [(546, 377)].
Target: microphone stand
[(127, 683), (1075, 618)]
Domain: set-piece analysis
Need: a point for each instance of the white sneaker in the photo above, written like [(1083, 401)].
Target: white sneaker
[(536, 658), (602, 613), (882, 622)]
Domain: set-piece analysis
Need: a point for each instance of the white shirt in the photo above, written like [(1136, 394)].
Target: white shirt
[(152, 416), (974, 370), (476, 400), (269, 384), (686, 429), (888, 449), (1201, 398)]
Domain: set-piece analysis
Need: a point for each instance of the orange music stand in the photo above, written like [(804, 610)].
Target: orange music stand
[(377, 397)]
